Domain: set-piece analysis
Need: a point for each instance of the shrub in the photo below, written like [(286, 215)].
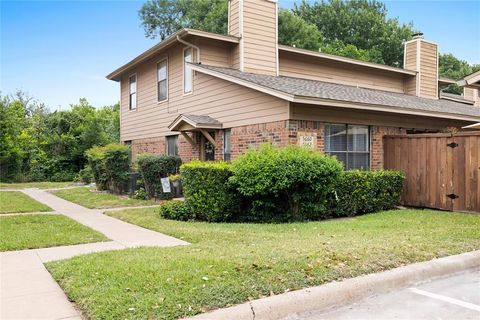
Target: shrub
[(357, 192), (110, 165), (175, 210), (207, 191), (286, 184), (153, 168), (85, 175)]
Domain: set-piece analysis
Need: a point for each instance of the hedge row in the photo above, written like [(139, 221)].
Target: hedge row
[(153, 168), (276, 185), (110, 165)]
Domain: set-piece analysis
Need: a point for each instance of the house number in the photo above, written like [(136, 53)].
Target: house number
[(308, 141)]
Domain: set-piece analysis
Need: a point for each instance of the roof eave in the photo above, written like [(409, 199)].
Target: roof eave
[(115, 75)]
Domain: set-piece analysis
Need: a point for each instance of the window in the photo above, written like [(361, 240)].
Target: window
[(132, 100), (226, 145), (187, 71), (350, 144), (162, 88), (172, 149)]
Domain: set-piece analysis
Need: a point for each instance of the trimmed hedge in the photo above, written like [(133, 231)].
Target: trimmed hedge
[(110, 165), (358, 192), (175, 210), (153, 168), (207, 192), (284, 184)]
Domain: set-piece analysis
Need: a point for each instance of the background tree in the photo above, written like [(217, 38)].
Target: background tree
[(453, 68)]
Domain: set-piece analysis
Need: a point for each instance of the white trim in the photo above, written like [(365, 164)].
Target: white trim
[(229, 10), (136, 92), (331, 102), (167, 79), (240, 29), (346, 60), (436, 82), (183, 71)]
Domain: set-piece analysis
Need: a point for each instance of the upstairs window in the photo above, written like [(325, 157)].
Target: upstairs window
[(162, 85), (187, 71), (172, 148), (132, 95), (350, 144)]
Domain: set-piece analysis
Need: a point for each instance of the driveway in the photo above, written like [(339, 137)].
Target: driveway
[(456, 297)]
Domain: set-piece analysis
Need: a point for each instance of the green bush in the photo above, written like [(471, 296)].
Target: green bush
[(85, 175), (358, 192), (207, 191), (284, 184), (110, 165), (175, 210), (153, 168)]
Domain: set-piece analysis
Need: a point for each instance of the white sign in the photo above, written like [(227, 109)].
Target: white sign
[(308, 140), (165, 185)]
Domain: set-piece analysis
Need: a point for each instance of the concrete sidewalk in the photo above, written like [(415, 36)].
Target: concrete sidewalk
[(27, 290)]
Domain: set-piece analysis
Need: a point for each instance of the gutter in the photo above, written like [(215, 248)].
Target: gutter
[(191, 46)]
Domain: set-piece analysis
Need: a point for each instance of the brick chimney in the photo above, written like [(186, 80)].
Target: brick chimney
[(255, 22), (422, 56)]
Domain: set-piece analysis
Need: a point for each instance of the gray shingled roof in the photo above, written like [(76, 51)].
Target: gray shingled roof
[(339, 92), (199, 119), (458, 97)]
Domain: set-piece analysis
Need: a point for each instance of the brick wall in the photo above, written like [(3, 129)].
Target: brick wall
[(279, 133)]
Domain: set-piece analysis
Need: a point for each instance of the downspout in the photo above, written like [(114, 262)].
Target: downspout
[(190, 45)]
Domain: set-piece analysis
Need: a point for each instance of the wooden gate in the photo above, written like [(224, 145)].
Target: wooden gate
[(442, 171)]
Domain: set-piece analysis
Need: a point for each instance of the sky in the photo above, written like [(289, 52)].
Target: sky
[(60, 51)]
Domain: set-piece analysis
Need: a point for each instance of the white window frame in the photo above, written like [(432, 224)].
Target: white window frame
[(130, 93), (183, 71), (166, 63)]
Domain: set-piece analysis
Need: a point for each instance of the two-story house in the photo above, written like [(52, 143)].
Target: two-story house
[(209, 96)]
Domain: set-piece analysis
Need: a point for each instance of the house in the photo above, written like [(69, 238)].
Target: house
[(209, 96)]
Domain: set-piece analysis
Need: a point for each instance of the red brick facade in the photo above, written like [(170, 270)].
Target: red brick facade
[(278, 133)]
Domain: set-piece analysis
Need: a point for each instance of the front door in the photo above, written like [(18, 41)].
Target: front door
[(208, 149)]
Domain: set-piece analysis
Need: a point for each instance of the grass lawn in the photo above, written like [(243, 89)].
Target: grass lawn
[(40, 231), (231, 263), (40, 185), (93, 199), (16, 201)]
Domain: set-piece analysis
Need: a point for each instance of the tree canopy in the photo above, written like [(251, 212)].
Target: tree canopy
[(358, 29), (37, 144)]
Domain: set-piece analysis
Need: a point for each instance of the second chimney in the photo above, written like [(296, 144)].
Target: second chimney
[(255, 23), (422, 56)]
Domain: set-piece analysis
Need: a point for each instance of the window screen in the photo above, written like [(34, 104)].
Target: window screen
[(187, 71), (350, 144), (162, 80), (172, 149), (226, 145), (132, 102)]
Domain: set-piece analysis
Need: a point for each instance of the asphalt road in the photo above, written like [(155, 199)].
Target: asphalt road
[(456, 297)]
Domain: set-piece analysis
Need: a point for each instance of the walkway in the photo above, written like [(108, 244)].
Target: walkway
[(27, 290)]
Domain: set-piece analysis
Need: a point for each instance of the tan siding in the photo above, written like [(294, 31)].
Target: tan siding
[(214, 53), (301, 66), (231, 104), (233, 21), (472, 95), (340, 115), (259, 36), (428, 70)]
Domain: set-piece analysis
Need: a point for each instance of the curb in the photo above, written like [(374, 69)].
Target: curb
[(338, 293)]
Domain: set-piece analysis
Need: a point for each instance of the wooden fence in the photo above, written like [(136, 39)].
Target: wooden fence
[(442, 171)]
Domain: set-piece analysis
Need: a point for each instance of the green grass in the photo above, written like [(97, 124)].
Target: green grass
[(39, 185), (16, 201), (94, 199), (231, 263), (43, 230)]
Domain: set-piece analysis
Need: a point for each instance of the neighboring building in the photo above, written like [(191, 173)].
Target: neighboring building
[(209, 96)]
